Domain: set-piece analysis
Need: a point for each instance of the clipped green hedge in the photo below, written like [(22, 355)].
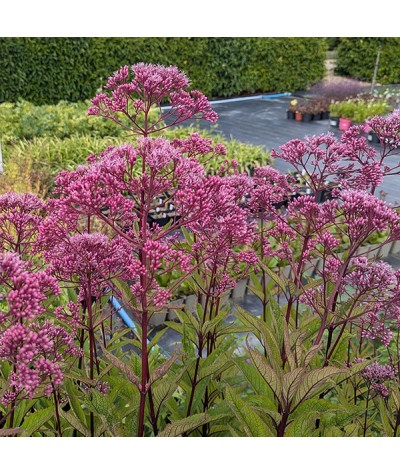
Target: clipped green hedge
[(356, 57), (47, 70)]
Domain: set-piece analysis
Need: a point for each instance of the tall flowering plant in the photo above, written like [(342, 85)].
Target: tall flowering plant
[(328, 323), (103, 214), (335, 297)]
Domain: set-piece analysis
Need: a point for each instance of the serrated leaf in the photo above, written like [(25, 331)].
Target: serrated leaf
[(161, 392), (75, 403), (188, 318), (313, 380), (74, 422), (177, 428), (35, 421), (388, 429), (308, 357), (281, 281), (288, 351), (290, 383), (302, 426), (123, 367), (269, 375), (163, 368), (317, 405), (214, 368), (253, 377), (251, 423)]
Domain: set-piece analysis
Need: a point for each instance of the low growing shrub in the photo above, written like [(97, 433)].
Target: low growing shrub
[(25, 120), (31, 165)]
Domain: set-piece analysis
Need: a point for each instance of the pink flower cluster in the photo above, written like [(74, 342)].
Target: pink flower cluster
[(27, 290), (36, 349), (89, 256), (149, 86), (20, 216), (387, 128), (378, 372)]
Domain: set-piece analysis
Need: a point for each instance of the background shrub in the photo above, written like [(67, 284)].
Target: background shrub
[(47, 70), (356, 58), (24, 120), (31, 165)]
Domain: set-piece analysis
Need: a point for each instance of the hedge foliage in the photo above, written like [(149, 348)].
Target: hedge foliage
[(356, 57), (25, 120), (47, 70)]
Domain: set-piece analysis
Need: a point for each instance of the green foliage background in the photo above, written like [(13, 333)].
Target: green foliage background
[(356, 58), (47, 70)]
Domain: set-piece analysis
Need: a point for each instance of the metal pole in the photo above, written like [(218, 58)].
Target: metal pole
[(375, 70)]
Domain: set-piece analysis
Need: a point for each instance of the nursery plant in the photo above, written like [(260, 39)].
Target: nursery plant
[(322, 356), (32, 165)]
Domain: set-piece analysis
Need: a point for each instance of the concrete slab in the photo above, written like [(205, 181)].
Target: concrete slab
[(263, 122)]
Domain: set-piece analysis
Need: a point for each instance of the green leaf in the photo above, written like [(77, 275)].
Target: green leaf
[(214, 368), (123, 367), (288, 351), (314, 379), (161, 392), (177, 428), (75, 403), (22, 409), (281, 281), (156, 338), (125, 291), (163, 368), (188, 318), (253, 377), (251, 423), (308, 357), (302, 426), (75, 422), (35, 421), (388, 429), (269, 375), (291, 382)]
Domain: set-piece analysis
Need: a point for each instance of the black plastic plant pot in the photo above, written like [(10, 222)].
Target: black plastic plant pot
[(373, 138), (317, 116), (325, 115), (281, 204), (290, 115), (307, 117), (323, 195), (334, 121)]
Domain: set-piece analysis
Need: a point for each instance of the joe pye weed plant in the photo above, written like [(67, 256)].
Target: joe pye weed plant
[(321, 359)]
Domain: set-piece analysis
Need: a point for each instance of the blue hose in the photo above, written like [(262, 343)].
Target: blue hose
[(122, 313)]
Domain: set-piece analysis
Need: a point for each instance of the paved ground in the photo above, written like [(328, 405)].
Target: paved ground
[(263, 122)]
